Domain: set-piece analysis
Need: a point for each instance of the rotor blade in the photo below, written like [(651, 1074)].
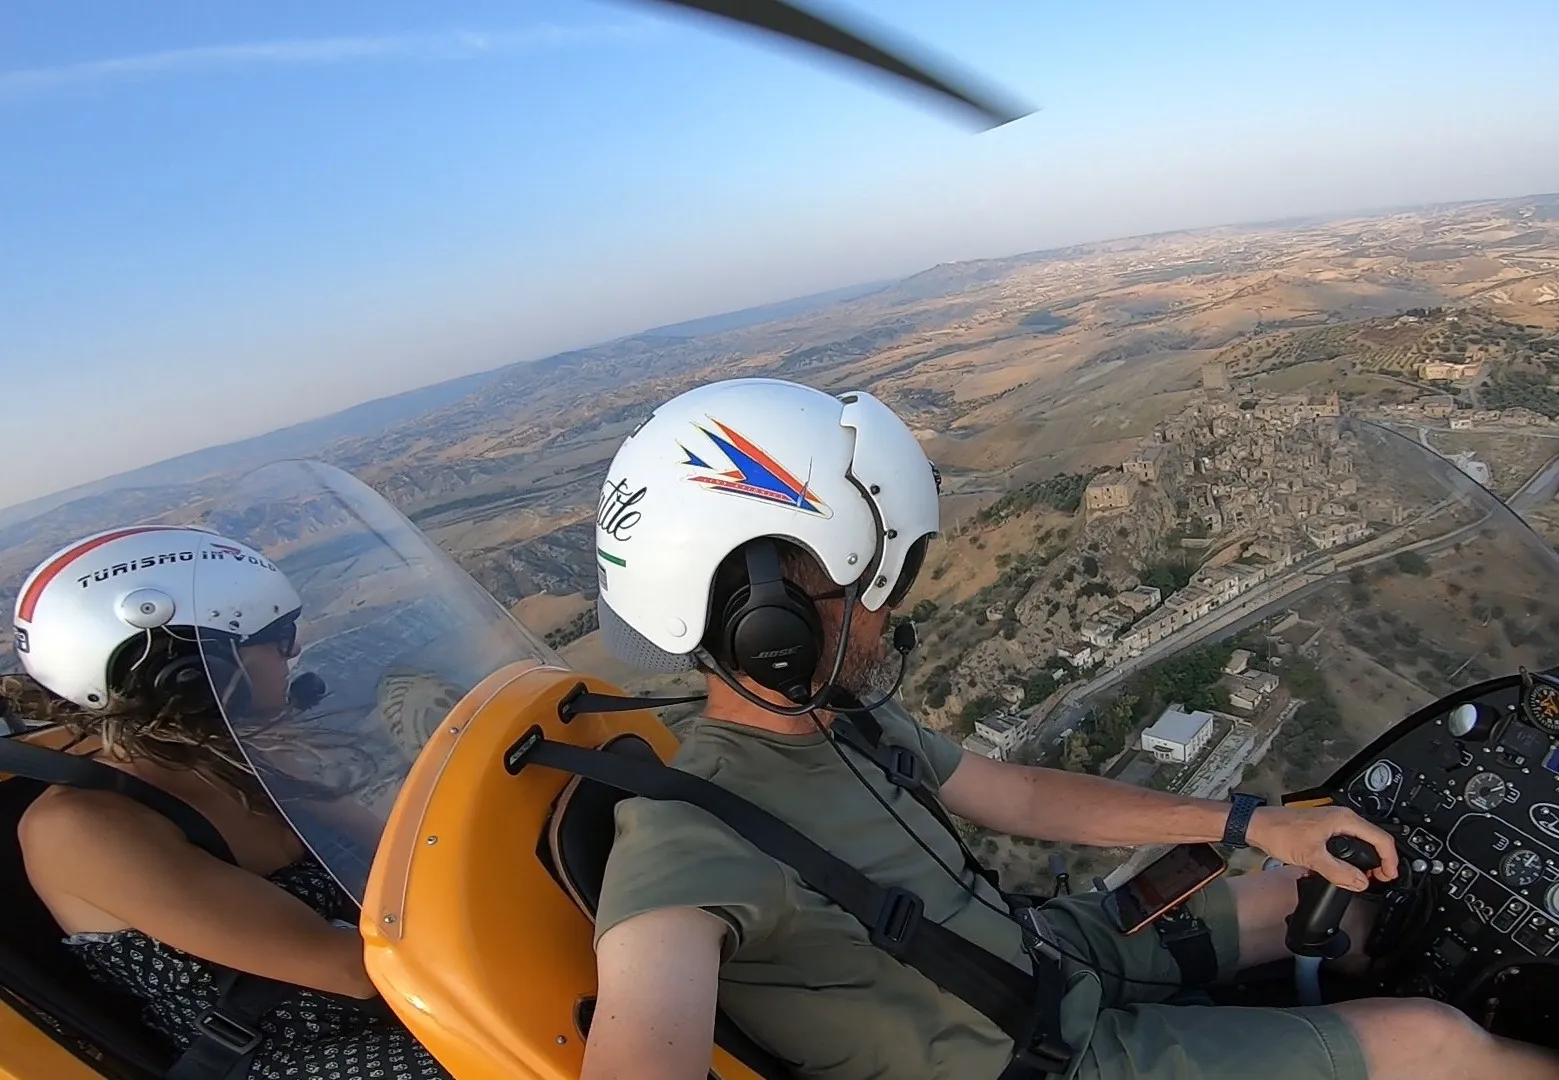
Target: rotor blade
[(787, 20)]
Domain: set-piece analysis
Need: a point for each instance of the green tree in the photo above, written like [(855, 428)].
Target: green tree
[(981, 707), (1040, 685)]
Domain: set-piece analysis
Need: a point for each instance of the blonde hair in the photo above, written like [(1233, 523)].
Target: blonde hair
[(133, 727)]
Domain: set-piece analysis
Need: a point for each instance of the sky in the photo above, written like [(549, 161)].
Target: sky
[(217, 219)]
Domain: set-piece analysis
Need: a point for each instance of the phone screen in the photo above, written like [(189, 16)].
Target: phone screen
[(1165, 882)]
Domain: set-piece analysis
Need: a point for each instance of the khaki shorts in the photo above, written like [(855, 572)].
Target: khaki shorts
[(1125, 1031)]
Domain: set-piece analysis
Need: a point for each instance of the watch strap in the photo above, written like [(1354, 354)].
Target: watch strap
[(1244, 806)]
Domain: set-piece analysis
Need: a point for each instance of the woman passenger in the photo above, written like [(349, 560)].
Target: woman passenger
[(109, 632)]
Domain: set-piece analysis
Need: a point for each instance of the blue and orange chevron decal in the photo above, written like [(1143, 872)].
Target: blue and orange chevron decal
[(753, 473)]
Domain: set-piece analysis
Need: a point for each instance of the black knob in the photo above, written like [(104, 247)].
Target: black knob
[(1354, 852)]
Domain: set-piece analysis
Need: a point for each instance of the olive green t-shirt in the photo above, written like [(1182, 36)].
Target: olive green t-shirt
[(799, 974)]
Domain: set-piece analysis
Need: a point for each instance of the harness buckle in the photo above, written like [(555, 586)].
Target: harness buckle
[(1189, 941), (229, 1033), (897, 920)]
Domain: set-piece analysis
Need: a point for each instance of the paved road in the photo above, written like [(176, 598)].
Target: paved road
[(1541, 488), (1225, 621)]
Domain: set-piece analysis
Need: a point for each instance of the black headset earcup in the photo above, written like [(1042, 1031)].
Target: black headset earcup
[(194, 680), (771, 629)]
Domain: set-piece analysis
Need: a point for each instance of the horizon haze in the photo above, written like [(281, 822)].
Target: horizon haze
[(222, 223)]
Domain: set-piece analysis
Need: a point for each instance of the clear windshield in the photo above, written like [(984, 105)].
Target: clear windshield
[(396, 631), (1300, 616)]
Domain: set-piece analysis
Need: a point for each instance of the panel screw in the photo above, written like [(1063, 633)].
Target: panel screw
[(562, 1039), (389, 920), (432, 840)]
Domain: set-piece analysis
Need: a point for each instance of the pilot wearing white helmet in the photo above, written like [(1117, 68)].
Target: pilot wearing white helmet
[(763, 532)]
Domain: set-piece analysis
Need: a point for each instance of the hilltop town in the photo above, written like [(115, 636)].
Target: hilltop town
[(1221, 500), (1242, 499)]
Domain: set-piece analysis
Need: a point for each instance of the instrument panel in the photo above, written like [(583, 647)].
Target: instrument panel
[(1472, 794)]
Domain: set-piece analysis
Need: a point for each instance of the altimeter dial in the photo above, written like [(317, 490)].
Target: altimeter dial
[(1521, 868)]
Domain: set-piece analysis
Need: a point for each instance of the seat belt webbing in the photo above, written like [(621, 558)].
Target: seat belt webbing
[(893, 916)]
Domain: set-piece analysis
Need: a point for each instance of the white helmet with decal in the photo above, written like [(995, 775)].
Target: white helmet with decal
[(839, 475), (80, 609)]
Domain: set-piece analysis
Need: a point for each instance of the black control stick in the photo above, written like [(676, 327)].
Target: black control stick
[(1315, 927)]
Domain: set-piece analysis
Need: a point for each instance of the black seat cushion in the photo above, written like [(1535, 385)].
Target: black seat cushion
[(36, 968), (579, 839)]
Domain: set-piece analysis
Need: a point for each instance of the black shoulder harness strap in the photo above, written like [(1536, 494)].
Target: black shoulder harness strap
[(229, 1033), (1025, 1008), (72, 770), (862, 733)]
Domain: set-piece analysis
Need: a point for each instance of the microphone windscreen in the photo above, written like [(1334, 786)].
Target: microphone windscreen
[(904, 636), (306, 691)]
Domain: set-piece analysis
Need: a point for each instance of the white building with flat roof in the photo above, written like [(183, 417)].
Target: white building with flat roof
[(983, 747), (1177, 735), (1002, 732)]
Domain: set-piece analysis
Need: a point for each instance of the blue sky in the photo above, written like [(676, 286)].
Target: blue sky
[(219, 218)]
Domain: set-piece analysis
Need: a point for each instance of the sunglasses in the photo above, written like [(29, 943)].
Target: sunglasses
[(914, 559), (283, 634)]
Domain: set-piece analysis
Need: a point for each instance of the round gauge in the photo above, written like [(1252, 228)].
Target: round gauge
[(1379, 776), (1545, 815), (1541, 706), (1485, 791), (1551, 900), (1521, 868)]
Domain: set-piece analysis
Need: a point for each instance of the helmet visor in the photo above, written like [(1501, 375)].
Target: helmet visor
[(914, 560)]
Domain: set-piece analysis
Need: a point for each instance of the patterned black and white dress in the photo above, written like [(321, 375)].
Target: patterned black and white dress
[(307, 1035)]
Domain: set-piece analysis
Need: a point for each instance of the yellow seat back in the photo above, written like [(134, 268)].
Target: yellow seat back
[(470, 937)]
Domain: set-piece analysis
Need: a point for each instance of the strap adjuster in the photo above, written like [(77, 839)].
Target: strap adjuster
[(1189, 940), (903, 767), (897, 920), (1044, 1054), (227, 1032), (1178, 924)]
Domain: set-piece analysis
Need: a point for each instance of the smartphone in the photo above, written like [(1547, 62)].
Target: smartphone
[(1162, 884)]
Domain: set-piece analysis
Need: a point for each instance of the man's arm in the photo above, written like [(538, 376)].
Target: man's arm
[(659, 975), (1076, 808), (1052, 804)]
